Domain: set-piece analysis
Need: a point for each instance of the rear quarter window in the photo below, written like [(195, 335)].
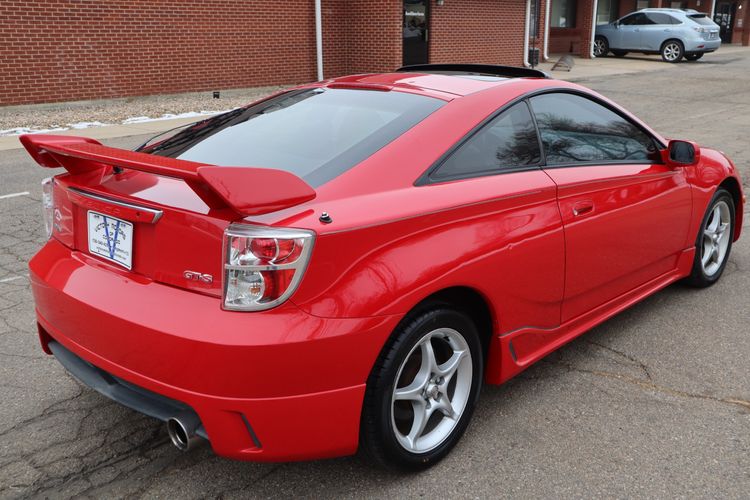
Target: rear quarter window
[(316, 134), (509, 142)]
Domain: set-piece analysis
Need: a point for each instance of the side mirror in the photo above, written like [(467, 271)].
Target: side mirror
[(616, 24), (683, 153)]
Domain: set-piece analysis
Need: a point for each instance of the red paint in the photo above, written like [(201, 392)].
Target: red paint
[(552, 253), (650, 206)]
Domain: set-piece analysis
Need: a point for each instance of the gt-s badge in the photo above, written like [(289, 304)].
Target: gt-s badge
[(196, 276)]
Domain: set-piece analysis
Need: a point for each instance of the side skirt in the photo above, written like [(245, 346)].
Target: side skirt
[(513, 352)]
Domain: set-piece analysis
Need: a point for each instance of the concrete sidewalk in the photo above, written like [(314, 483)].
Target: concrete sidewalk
[(582, 70)]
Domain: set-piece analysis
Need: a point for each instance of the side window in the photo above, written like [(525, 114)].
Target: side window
[(508, 142), (633, 19), (577, 130), (659, 18), (641, 19)]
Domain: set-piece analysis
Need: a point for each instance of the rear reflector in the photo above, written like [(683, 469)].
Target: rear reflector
[(48, 204)]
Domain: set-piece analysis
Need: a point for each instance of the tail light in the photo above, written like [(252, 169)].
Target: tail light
[(48, 204), (263, 266)]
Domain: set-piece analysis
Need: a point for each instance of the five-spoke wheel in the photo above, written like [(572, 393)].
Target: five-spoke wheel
[(423, 389), (432, 389), (714, 240)]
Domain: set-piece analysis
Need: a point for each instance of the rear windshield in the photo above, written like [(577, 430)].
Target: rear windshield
[(316, 134), (701, 19)]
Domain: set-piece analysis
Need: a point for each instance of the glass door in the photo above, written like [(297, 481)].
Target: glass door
[(724, 17), (416, 31)]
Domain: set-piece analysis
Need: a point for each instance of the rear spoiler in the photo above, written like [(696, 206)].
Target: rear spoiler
[(245, 190)]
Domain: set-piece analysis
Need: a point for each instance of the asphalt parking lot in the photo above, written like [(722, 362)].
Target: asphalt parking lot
[(653, 403)]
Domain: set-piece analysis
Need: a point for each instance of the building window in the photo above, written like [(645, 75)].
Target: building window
[(563, 14), (678, 5), (607, 11), (641, 4)]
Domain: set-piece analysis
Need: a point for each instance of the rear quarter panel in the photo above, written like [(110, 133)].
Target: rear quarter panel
[(499, 235)]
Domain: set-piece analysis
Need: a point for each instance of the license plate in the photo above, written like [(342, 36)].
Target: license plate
[(111, 238), (714, 35)]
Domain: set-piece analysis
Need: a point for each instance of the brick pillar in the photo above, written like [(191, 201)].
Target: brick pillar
[(586, 17), (746, 25)]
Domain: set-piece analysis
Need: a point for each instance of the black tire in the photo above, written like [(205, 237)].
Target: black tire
[(620, 53), (693, 57), (699, 277), (672, 51), (601, 46), (378, 430)]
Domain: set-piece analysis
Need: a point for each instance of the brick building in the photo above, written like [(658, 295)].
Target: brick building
[(65, 50)]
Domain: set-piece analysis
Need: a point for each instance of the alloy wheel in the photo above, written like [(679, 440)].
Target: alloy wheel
[(598, 48), (432, 389), (716, 238), (672, 51)]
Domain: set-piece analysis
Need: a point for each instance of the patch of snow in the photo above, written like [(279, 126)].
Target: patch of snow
[(29, 130), (171, 116), (136, 119), (82, 125)]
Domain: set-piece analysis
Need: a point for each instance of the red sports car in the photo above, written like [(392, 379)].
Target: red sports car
[(344, 263)]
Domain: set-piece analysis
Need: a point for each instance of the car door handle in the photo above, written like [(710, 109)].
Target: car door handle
[(583, 207)]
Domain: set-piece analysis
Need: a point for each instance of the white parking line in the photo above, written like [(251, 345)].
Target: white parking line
[(13, 195), (14, 278)]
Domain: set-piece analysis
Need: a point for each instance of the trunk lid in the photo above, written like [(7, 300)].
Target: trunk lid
[(176, 240)]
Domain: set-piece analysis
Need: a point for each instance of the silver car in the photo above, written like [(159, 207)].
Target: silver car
[(673, 33)]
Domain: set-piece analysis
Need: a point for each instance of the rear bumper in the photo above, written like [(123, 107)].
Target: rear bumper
[(700, 45), (296, 379), (134, 397)]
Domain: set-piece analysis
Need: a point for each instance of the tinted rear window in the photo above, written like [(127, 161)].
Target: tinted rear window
[(316, 134), (659, 18), (701, 19)]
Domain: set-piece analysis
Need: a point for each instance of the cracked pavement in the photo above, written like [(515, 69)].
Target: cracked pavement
[(653, 403)]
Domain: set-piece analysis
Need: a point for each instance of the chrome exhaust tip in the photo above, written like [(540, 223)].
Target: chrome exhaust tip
[(181, 429)]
